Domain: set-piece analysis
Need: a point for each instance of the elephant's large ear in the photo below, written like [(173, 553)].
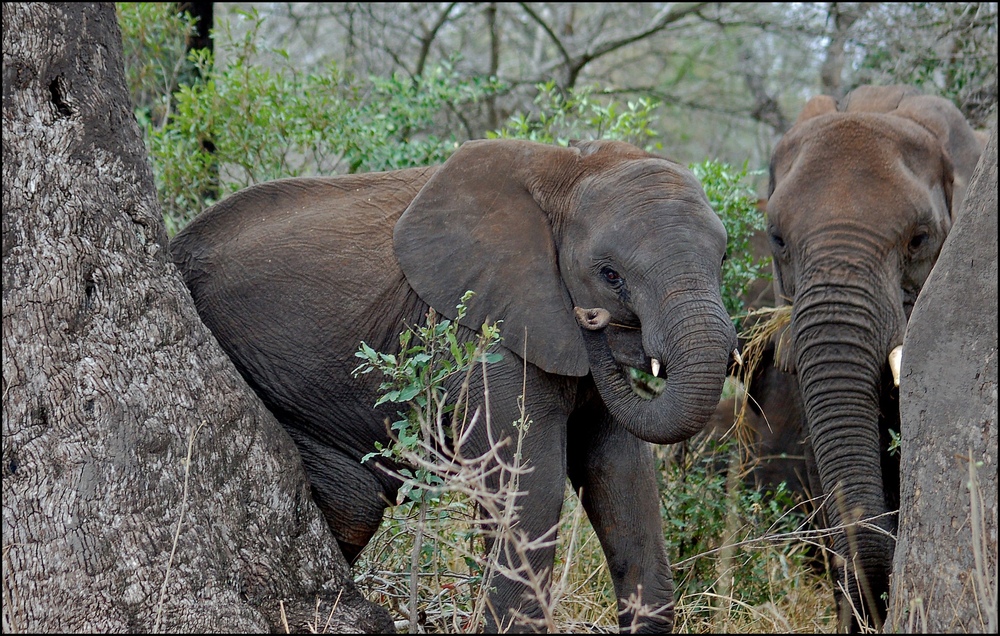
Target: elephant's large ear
[(938, 115), (958, 139), (819, 105), (476, 226)]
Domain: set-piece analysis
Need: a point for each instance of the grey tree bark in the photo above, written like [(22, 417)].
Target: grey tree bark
[(145, 487), (945, 566)]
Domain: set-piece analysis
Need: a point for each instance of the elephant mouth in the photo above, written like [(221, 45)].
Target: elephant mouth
[(625, 342), (645, 374)]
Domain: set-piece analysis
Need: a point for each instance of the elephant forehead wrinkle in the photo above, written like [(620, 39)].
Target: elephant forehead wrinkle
[(816, 193), (858, 237), (645, 177), (874, 140)]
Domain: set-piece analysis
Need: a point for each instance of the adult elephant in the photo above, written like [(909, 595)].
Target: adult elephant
[(595, 257), (862, 196)]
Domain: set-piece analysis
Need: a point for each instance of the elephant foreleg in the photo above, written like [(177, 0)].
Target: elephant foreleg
[(614, 472), (350, 497), (520, 600)]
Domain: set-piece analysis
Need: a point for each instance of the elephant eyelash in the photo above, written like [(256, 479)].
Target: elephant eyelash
[(612, 277), (919, 240)]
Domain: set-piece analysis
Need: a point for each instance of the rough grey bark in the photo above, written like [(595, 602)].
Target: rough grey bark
[(108, 375), (945, 567)]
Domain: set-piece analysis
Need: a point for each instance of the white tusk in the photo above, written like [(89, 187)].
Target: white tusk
[(656, 366), (895, 357), (738, 357)]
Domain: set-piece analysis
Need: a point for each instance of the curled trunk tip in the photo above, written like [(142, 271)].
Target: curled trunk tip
[(593, 319)]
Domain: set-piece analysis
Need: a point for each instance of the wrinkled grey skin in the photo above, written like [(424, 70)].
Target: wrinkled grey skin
[(863, 194), (291, 276)]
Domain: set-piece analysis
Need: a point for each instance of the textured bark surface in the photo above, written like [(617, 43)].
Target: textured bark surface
[(107, 375), (948, 408)]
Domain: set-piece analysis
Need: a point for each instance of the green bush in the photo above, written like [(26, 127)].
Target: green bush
[(585, 113), (734, 200), (154, 44), (707, 510), (238, 121)]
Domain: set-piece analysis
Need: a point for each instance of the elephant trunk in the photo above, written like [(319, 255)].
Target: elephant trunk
[(839, 356), (695, 360)]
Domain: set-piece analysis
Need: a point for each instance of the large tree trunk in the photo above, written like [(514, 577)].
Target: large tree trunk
[(945, 567), (145, 487)]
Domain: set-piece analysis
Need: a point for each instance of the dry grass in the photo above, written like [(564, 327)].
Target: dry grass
[(985, 574), (581, 598), (765, 325)]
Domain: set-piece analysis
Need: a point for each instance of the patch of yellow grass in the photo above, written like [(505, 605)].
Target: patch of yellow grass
[(763, 326)]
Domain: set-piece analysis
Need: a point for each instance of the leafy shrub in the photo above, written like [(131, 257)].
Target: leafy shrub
[(562, 116), (238, 121), (443, 486), (735, 201), (154, 44), (717, 531)]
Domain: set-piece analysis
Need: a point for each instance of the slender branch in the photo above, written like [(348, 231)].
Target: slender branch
[(567, 59), (664, 18), (428, 38)]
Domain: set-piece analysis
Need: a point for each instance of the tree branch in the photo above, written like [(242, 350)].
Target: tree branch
[(567, 59), (428, 38)]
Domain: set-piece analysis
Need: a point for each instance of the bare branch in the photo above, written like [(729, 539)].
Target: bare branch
[(567, 58), (428, 38)]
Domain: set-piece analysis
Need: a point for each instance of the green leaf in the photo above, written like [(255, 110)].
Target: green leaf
[(408, 393)]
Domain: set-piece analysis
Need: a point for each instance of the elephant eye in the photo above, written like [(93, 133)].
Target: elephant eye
[(777, 240), (919, 240), (611, 275)]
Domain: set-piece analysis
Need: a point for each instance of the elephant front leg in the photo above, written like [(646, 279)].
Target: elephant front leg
[(348, 494), (615, 472), (523, 546)]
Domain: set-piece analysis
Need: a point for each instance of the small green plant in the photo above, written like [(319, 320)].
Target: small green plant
[(585, 113), (443, 488), (894, 442), (709, 514), (428, 357), (734, 200)]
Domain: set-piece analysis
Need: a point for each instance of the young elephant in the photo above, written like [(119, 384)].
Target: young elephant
[(291, 276), (862, 196)]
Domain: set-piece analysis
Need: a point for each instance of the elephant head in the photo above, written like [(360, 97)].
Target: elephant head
[(602, 225), (862, 196)]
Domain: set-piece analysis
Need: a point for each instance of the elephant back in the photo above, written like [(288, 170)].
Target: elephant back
[(287, 275)]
